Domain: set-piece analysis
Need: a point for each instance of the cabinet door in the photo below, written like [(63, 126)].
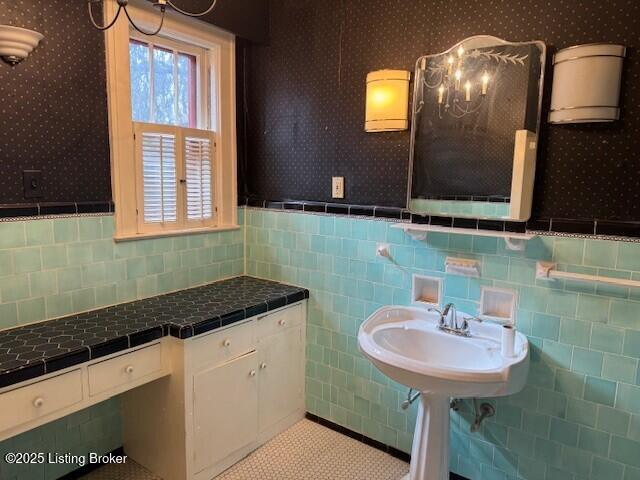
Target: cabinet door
[(281, 376), (225, 412)]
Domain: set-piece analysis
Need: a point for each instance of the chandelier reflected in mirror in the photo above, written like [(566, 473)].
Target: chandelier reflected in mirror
[(462, 77), (161, 5)]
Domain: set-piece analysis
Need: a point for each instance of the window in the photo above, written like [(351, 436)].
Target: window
[(164, 84), (172, 126), (174, 110), (174, 160)]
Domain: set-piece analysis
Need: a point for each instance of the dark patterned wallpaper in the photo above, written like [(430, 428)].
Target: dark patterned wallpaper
[(306, 97), (245, 18), (53, 112)]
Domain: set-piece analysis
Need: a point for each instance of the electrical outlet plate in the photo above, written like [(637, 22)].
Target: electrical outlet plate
[(337, 187)]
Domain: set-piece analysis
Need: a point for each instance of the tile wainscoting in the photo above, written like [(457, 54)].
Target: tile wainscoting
[(54, 267), (579, 414)]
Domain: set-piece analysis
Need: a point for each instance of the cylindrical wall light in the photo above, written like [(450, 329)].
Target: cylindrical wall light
[(387, 101), (586, 83)]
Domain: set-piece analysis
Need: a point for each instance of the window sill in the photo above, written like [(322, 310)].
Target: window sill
[(174, 233)]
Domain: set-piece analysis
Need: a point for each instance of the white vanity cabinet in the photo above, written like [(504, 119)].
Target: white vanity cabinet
[(281, 368), (230, 391), (35, 402), (225, 419)]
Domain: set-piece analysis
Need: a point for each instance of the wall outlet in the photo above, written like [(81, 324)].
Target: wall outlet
[(337, 187)]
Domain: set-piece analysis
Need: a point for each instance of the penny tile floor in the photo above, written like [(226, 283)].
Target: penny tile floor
[(307, 451)]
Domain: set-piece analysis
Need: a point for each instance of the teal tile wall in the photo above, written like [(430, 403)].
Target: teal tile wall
[(96, 429), (578, 417), (56, 267)]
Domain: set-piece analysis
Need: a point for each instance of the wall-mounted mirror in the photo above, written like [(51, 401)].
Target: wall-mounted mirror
[(476, 116)]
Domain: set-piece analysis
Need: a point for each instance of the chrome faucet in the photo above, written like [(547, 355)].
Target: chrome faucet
[(449, 321)]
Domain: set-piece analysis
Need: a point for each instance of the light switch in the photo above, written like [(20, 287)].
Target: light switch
[(337, 187), (32, 183)]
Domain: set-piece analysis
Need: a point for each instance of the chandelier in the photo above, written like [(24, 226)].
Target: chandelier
[(160, 4), (459, 91)]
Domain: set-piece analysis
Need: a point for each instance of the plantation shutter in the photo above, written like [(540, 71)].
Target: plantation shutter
[(159, 172), (198, 158), (175, 168)]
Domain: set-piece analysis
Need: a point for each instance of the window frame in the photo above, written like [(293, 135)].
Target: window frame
[(219, 92)]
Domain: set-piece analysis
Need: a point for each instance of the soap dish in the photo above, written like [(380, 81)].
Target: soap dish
[(462, 266)]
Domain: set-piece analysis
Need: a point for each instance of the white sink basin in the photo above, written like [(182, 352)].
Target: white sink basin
[(406, 344)]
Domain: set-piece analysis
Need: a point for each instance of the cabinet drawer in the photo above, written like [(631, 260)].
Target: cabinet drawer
[(280, 320), (39, 399), (224, 345), (124, 369)]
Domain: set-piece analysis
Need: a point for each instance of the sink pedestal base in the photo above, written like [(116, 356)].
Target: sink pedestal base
[(430, 450)]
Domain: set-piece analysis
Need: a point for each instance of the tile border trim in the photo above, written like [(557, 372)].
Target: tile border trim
[(36, 211), (387, 213), (623, 231), (394, 452)]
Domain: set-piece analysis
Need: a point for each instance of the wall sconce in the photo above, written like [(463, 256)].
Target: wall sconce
[(17, 43), (387, 101), (586, 83)]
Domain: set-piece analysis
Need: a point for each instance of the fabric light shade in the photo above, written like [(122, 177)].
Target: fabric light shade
[(387, 101), (586, 84)]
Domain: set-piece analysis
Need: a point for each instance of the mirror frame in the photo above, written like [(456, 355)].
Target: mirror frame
[(478, 41)]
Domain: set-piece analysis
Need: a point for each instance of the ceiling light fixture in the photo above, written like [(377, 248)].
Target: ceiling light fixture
[(161, 4)]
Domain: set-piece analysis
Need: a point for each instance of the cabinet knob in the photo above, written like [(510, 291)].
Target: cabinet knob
[(38, 402), (226, 342), (263, 366), (252, 373), (129, 369), (282, 322)]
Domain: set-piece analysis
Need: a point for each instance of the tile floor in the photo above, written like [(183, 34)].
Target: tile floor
[(307, 451)]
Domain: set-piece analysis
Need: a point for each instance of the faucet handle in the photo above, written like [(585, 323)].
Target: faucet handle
[(439, 312), (465, 325)]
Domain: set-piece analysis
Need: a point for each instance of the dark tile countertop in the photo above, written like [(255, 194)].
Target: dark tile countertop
[(34, 350)]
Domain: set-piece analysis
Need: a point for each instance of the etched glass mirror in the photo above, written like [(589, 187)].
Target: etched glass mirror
[(476, 116)]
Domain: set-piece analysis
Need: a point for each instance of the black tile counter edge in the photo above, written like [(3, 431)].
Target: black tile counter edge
[(109, 347), (145, 336), (21, 374), (67, 360), (617, 230), (26, 210), (394, 452), (92, 352)]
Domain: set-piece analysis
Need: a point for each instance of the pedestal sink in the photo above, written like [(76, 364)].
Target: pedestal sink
[(406, 344)]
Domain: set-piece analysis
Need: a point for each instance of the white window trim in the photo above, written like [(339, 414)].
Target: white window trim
[(221, 46)]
